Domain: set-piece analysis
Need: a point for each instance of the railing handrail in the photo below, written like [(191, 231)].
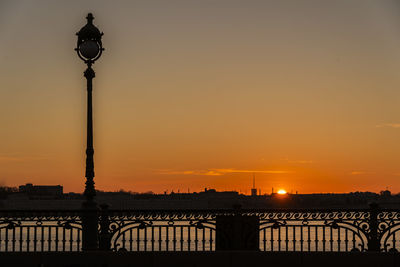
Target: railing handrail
[(243, 210)]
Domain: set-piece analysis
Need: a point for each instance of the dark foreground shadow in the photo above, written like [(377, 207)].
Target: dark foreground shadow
[(198, 259)]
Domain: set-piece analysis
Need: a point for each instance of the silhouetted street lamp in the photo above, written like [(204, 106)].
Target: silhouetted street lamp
[(89, 49)]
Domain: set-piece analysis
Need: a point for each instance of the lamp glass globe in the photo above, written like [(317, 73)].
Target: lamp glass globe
[(89, 49)]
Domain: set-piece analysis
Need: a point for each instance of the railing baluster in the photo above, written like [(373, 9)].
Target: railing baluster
[(294, 237), (27, 237), (49, 238), (78, 240), (279, 239), (138, 238), (56, 240), (42, 238), (152, 238), (189, 237), (167, 237), (195, 239), (346, 240), (316, 237), (264, 239), (174, 237), (323, 238), (309, 237), (331, 240), (159, 238), (338, 239), (71, 239), (131, 239), (6, 240), (272, 239), (211, 239), (301, 237), (204, 240), (14, 239), (145, 239), (63, 238), (286, 238), (181, 238), (21, 229)]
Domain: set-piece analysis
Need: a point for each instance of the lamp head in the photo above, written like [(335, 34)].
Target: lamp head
[(89, 46)]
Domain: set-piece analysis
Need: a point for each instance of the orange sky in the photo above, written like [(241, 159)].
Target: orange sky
[(194, 94)]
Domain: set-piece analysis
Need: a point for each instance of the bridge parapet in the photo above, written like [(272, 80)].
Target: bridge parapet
[(325, 230)]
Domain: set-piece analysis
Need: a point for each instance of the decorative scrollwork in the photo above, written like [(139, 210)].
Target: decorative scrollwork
[(9, 225), (388, 229)]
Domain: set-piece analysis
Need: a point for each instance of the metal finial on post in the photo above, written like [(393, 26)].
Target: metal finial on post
[(90, 18)]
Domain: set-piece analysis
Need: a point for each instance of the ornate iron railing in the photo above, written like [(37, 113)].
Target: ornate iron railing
[(371, 229), (40, 231), (161, 231), (315, 231)]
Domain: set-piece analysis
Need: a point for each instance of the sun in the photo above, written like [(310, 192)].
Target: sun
[(282, 192)]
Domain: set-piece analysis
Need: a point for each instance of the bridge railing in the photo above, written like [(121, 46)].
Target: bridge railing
[(40, 231), (372, 229)]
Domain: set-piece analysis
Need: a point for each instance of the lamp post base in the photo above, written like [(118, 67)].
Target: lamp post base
[(90, 223)]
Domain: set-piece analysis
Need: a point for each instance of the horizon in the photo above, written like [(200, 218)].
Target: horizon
[(191, 93), (205, 189)]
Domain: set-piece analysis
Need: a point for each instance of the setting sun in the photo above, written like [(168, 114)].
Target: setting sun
[(282, 192)]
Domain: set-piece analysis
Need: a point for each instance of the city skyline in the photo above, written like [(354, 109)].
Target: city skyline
[(248, 191), (195, 94)]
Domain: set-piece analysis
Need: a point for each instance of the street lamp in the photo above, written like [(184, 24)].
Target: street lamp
[(89, 48)]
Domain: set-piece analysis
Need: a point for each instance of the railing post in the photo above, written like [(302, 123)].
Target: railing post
[(90, 221), (237, 232), (373, 238), (104, 236)]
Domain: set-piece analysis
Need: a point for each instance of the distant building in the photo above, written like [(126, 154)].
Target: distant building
[(386, 193), (254, 189), (41, 190)]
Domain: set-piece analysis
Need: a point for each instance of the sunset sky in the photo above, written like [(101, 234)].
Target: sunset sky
[(193, 94)]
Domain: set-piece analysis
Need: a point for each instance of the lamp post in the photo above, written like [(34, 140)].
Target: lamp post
[(89, 48)]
